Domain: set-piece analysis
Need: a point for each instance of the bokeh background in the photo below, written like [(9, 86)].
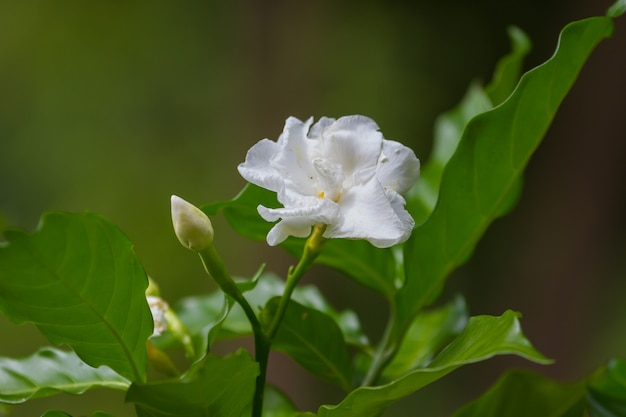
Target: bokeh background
[(112, 106)]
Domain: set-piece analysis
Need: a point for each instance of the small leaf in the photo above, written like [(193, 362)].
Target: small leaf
[(483, 176), (312, 339), (51, 371), (427, 335), (218, 387), (509, 68), (527, 394), (79, 281), (617, 9), (482, 338)]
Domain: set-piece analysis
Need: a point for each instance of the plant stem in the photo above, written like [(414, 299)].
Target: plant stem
[(312, 248), (214, 265), (384, 353)]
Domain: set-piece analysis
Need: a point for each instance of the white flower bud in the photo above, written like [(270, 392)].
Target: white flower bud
[(158, 307), (193, 228)]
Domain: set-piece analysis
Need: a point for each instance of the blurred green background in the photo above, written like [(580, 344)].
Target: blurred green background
[(112, 106)]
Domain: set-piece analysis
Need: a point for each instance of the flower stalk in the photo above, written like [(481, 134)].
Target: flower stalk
[(215, 267), (312, 249)]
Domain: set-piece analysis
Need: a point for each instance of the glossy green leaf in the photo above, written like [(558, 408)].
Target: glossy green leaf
[(483, 175), (428, 334), (527, 394), (370, 266), (607, 393), (51, 371), (482, 338), (78, 280), (219, 387), (312, 339)]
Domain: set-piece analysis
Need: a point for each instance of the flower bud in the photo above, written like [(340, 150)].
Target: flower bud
[(193, 228), (158, 307)]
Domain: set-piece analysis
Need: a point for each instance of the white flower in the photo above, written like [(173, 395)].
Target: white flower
[(193, 228), (341, 173)]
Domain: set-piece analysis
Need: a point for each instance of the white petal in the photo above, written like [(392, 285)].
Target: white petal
[(293, 160), (284, 229), (317, 128), (353, 142), (398, 167), (257, 169), (297, 221), (366, 213), (310, 210), (397, 204)]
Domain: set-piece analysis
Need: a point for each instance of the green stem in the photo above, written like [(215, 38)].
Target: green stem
[(312, 248), (215, 267), (384, 353)]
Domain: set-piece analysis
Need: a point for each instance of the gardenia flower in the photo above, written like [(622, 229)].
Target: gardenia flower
[(341, 173)]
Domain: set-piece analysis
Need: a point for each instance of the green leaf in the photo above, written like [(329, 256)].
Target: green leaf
[(482, 338), (52, 371), (78, 280), (312, 339), (509, 68), (241, 212), (219, 387), (373, 267), (617, 9), (483, 175), (427, 335), (607, 393), (527, 394), (276, 404)]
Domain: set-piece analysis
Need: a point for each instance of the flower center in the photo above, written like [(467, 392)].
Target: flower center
[(330, 178)]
